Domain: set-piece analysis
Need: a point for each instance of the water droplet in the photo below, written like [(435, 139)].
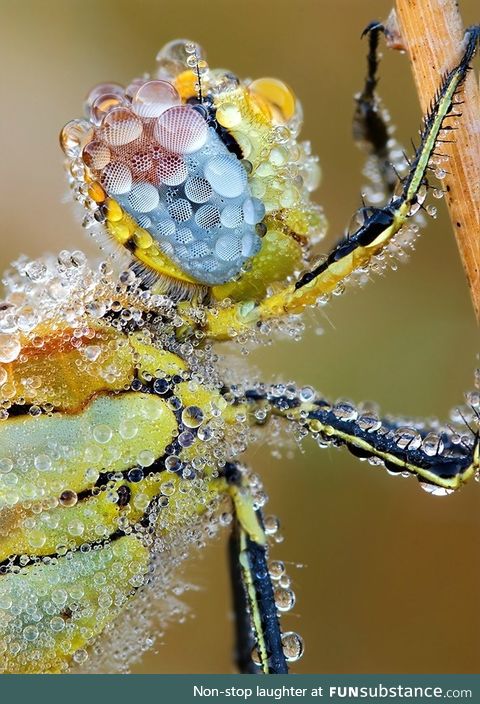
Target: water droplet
[(407, 438), (276, 569), (135, 475), (9, 347), (68, 498), (307, 394), (57, 624), (30, 633), (271, 525), (6, 465), (192, 416), (80, 655), (205, 433), (43, 463), (432, 445), (293, 647), (76, 528), (146, 458), (284, 599), (102, 434), (369, 422), (128, 428), (186, 439), (436, 490), (173, 463), (343, 410), (473, 399)]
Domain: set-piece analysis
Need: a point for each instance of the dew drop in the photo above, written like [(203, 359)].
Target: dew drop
[(407, 438), (192, 416), (146, 458), (307, 394), (344, 411), (284, 599), (80, 656), (102, 434), (369, 422), (30, 633), (68, 498), (43, 463), (293, 647), (173, 463), (9, 347), (276, 569), (432, 445), (436, 490)]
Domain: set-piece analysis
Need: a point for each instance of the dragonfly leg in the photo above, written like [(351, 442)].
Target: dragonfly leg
[(378, 229), (256, 618), (371, 129), (442, 458)]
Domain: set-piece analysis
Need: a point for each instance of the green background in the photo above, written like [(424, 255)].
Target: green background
[(391, 576)]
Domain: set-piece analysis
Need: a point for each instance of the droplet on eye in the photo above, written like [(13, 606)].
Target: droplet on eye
[(250, 245), (172, 58), (121, 126), (116, 178), (143, 197), (103, 105), (277, 95), (253, 211), (100, 90), (231, 216), (181, 129), (183, 236), (207, 217), (180, 210), (74, 136), (198, 190), (228, 248), (165, 228), (226, 176), (132, 88), (228, 115), (153, 98), (199, 249), (96, 155)]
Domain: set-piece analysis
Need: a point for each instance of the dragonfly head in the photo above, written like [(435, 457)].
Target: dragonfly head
[(198, 175)]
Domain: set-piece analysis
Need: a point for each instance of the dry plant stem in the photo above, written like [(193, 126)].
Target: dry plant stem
[(432, 33)]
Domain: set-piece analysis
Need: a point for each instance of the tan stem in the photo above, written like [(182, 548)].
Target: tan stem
[(432, 33)]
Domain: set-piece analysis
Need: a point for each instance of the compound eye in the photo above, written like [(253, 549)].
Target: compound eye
[(181, 130), (173, 176)]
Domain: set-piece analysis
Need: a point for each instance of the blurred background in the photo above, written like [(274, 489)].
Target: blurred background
[(391, 576)]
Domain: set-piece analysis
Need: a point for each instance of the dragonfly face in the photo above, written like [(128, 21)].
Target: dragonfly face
[(192, 173), (120, 435)]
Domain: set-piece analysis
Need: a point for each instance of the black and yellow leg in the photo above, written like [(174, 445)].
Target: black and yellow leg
[(356, 250), (370, 128), (442, 460), (256, 618)]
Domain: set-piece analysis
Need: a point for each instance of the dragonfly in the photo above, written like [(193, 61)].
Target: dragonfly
[(122, 430)]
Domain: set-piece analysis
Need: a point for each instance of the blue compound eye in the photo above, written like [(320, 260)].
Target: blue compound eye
[(173, 174)]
